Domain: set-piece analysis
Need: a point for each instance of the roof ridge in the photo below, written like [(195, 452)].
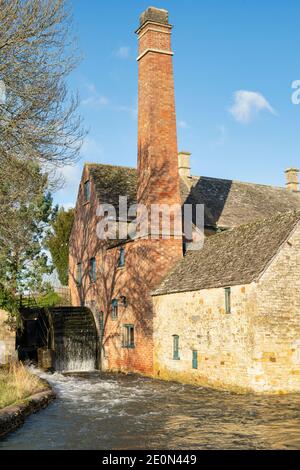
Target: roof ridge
[(110, 165), (247, 183), (279, 215)]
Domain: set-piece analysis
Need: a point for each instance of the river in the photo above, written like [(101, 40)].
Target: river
[(130, 412)]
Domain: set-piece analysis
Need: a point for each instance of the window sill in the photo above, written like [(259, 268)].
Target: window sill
[(128, 347), (176, 358)]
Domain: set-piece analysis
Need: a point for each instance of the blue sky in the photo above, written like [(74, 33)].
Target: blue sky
[(221, 47)]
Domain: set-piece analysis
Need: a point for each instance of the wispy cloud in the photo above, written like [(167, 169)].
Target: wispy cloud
[(183, 125), (123, 52), (248, 104), (132, 110), (221, 137), (94, 99), (98, 102), (71, 175), (91, 149)]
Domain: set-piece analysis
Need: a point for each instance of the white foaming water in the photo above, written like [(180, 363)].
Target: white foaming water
[(77, 365), (92, 393)]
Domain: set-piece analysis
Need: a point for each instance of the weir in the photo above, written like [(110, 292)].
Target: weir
[(68, 333)]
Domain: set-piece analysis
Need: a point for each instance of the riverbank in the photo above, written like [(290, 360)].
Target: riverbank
[(21, 394)]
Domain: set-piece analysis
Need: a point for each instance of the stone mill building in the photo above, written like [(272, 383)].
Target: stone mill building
[(225, 316)]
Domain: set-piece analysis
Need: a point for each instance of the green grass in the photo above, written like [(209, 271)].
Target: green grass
[(17, 384)]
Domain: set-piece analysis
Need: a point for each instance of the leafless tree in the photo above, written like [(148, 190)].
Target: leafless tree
[(39, 124)]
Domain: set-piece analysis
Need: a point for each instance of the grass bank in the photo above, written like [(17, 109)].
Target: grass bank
[(17, 383)]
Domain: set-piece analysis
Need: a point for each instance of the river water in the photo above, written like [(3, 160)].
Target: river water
[(129, 412)]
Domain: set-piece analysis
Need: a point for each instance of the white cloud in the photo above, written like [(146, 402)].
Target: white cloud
[(71, 174), (95, 99), (247, 104), (91, 149), (221, 138), (132, 110), (183, 125), (123, 52)]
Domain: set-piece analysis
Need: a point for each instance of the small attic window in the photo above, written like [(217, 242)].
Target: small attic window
[(87, 191)]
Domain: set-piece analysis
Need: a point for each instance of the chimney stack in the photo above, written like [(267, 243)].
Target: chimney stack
[(292, 179), (184, 163), (158, 176)]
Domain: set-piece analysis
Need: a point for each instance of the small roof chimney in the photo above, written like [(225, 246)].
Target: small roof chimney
[(292, 179), (184, 163)]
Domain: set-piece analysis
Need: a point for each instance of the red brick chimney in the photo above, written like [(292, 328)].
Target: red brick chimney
[(158, 177)]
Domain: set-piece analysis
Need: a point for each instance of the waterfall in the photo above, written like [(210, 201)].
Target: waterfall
[(75, 339), (70, 332)]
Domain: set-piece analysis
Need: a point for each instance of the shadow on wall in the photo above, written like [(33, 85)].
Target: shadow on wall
[(146, 262)]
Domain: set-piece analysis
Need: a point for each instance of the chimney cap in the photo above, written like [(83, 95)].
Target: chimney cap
[(184, 152), (156, 15), (290, 170)]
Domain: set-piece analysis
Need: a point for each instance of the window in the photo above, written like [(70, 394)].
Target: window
[(78, 274), (114, 309), (176, 347), (87, 191), (227, 300), (128, 338), (195, 360), (101, 323), (93, 270), (121, 261)]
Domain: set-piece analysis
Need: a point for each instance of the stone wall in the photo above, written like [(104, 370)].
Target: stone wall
[(7, 339), (276, 358), (254, 348), (224, 342)]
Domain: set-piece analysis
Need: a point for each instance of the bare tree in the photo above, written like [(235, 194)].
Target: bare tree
[(39, 124)]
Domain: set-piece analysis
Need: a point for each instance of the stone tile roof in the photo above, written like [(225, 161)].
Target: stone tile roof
[(231, 203), (113, 181), (227, 203), (233, 257)]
